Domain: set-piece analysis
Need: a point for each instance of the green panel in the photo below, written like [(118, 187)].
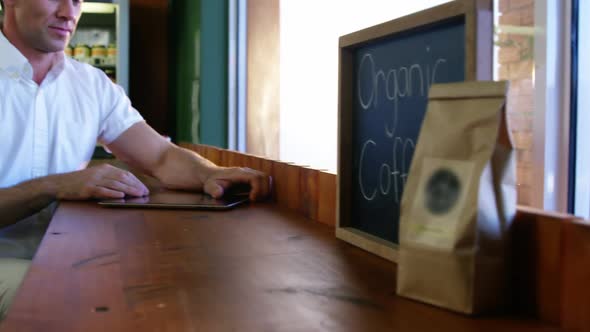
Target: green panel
[(184, 67), (213, 94)]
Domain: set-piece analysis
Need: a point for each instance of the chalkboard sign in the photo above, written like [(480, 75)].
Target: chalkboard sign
[(385, 75)]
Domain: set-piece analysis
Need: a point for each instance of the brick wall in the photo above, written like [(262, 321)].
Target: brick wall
[(516, 63)]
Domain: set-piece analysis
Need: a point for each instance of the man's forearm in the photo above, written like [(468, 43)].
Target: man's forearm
[(100, 182), (180, 168), (25, 199)]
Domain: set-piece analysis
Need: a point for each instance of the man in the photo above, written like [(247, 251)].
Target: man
[(53, 110)]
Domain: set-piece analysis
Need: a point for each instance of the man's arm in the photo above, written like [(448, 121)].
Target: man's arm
[(102, 181), (23, 200), (143, 148)]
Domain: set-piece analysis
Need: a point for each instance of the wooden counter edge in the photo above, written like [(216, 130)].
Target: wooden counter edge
[(550, 280)]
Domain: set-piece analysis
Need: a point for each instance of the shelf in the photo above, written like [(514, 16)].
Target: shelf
[(104, 67)]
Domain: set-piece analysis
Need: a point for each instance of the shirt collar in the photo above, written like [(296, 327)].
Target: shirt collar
[(57, 68), (11, 59)]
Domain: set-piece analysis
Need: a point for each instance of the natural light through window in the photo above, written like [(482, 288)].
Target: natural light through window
[(309, 70)]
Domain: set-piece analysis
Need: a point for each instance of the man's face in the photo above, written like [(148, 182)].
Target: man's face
[(46, 25)]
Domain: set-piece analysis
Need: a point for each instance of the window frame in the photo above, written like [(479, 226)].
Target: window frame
[(581, 132), (551, 124)]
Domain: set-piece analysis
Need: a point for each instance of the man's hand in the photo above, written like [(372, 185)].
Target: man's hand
[(142, 148), (103, 181), (225, 177)]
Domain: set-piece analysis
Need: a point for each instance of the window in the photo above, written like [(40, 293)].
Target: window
[(515, 62), (309, 80), (581, 107), (532, 52)]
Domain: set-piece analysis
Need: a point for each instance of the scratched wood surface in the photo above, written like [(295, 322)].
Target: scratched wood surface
[(255, 268), (542, 252)]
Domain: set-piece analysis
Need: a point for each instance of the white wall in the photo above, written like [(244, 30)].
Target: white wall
[(309, 70)]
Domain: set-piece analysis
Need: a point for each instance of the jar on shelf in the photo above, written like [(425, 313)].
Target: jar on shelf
[(82, 53), (98, 55), (111, 55), (69, 51), (112, 74)]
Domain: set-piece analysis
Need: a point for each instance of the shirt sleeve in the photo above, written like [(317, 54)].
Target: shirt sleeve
[(118, 114)]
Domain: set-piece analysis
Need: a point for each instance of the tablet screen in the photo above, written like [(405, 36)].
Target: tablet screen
[(177, 200)]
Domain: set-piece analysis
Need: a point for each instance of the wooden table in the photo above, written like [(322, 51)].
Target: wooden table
[(255, 268)]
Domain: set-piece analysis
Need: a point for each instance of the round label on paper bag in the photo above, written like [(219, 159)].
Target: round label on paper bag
[(442, 191)]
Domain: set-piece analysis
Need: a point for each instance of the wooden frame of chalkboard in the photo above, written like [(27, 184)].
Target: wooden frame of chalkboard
[(463, 25)]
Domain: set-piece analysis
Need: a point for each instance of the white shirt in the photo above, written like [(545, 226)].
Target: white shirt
[(53, 127)]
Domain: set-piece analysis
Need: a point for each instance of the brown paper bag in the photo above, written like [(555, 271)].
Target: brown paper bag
[(459, 201)]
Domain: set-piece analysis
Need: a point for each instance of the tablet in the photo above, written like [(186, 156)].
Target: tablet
[(177, 200)]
